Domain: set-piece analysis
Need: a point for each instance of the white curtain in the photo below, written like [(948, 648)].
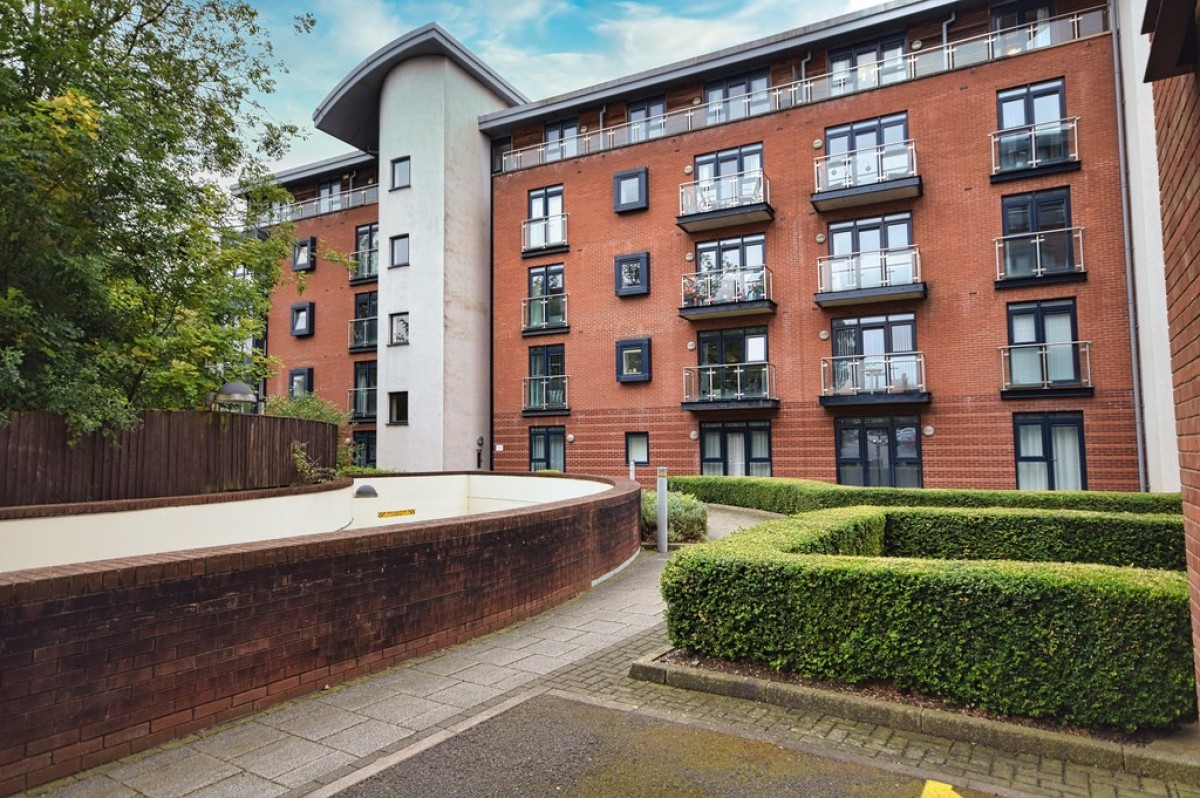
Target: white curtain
[(1064, 440)]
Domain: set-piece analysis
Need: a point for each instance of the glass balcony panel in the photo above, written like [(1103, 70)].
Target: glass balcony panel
[(1015, 150), (1050, 143), (364, 333), (544, 232), (974, 51), (1020, 257), (545, 393), (366, 264), (542, 312), (850, 375), (362, 403), (1061, 363)]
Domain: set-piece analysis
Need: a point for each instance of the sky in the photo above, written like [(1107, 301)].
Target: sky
[(542, 47)]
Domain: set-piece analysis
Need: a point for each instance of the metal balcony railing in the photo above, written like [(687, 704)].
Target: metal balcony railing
[(1046, 366), (729, 382), (319, 206), (866, 167), (1032, 146), (364, 332), (366, 264), (361, 403), (1041, 253), (544, 232), (958, 54), (722, 193), (544, 312), (882, 268), (850, 375), (544, 393), (723, 286)]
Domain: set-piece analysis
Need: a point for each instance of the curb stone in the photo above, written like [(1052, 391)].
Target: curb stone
[(1010, 738)]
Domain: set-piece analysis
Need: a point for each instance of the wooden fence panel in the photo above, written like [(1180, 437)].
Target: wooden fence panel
[(171, 454)]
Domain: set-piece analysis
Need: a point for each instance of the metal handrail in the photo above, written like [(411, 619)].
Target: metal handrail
[(722, 286), (318, 206), (893, 373), (881, 268), (729, 382), (550, 310), (1024, 144), (544, 232), (544, 393), (1039, 357), (366, 264), (726, 191), (364, 332), (1040, 253), (361, 402), (866, 166)]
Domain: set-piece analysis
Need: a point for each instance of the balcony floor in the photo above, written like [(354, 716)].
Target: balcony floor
[(881, 398), (731, 404), (726, 217), (725, 310), (866, 296), (871, 194)]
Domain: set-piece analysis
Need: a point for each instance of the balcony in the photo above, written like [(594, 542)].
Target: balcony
[(959, 54), (726, 293), (725, 201), (1045, 148), (1031, 371), (320, 206), (544, 235), (361, 402), (1047, 256), (883, 275), (866, 176), (545, 396), (366, 266), (897, 378), (544, 314), (733, 386), (363, 334)]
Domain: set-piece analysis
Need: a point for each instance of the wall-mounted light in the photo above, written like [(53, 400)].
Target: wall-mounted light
[(366, 492), (917, 44), (695, 101), (818, 144), (927, 431), (570, 438), (823, 335), (687, 170), (820, 238), (583, 128), (694, 435), (691, 345), (689, 257)]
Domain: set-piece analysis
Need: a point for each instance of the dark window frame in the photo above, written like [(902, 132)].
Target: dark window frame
[(392, 251), (722, 458), (305, 374), (724, 336), (310, 313), (1048, 421), (878, 125), (640, 345), (641, 176), (392, 318), (1039, 310), (308, 246), (722, 93), (862, 461), (406, 162), (640, 260), (366, 448), (889, 67), (560, 139), (645, 118), (395, 399), (628, 457), (366, 371), (548, 435)]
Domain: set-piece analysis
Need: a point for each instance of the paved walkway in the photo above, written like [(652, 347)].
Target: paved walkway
[(319, 743)]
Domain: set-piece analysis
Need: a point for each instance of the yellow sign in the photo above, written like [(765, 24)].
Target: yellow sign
[(936, 789), (394, 513)]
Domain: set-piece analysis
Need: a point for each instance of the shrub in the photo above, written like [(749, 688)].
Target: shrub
[(1080, 643), (687, 518), (307, 406)]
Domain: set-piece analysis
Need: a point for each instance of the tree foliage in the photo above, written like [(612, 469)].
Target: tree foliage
[(126, 280)]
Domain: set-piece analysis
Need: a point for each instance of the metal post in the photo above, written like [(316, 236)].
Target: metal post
[(632, 471), (662, 509)]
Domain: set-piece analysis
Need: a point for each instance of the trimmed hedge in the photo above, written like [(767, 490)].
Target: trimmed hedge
[(1079, 643), (687, 517), (802, 495)]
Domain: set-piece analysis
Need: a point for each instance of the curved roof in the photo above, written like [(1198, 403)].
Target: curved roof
[(351, 111)]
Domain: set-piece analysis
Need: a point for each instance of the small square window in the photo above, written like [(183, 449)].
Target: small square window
[(398, 407), (637, 448), (400, 250), (629, 190), (300, 382), (633, 360), (631, 274), (398, 329), (401, 173), (302, 318), (304, 254)]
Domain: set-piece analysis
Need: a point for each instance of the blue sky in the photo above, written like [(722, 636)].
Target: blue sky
[(543, 47)]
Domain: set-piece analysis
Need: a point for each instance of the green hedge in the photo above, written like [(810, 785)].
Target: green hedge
[(687, 517), (1080, 643), (801, 495)]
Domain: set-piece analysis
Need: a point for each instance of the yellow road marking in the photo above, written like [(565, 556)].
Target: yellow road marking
[(935, 789)]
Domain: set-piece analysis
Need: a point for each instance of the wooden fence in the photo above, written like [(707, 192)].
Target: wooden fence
[(171, 454)]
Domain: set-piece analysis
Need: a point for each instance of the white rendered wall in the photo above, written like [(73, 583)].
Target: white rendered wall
[(429, 110)]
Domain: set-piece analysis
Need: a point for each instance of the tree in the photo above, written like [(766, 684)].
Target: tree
[(126, 280)]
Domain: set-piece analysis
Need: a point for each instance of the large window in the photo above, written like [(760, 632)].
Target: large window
[(646, 118), (1038, 238), (735, 448), (546, 226), (364, 448), (728, 270), (1025, 23), (870, 253), (1049, 449), (867, 65), (329, 196), (366, 252), (733, 364), (729, 178), (738, 96), (547, 377), (365, 326), (547, 297), (547, 448), (866, 152), (1042, 337), (561, 141), (879, 451), (876, 354), (1033, 130), (362, 396)]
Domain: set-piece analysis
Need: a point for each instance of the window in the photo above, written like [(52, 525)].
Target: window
[(547, 306), (866, 152), (1038, 238), (303, 318), (735, 448), (633, 360), (366, 252), (364, 448), (730, 270), (401, 173), (300, 382), (546, 226), (876, 354), (645, 118), (398, 329), (1035, 118), (738, 97), (1042, 337), (547, 377), (1024, 26), (561, 141), (630, 191), (400, 250), (637, 448), (727, 179), (632, 274), (304, 254), (870, 253), (733, 364), (1050, 453), (362, 395), (867, 65), (364, 328), (547, 448), (329, 196), (398, 407), (879, 451)]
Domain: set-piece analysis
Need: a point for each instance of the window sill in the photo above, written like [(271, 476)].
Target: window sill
[(397, 424)]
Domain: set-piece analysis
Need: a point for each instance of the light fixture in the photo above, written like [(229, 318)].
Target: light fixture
[(823, 335), (818, 144), (695, 101), (233, 395), (691, 345), (570, 438), (687, 170), (820, 238), (694, 435), (366, 492), (927, 431), (583, 128), (917, 44), (689, 257)]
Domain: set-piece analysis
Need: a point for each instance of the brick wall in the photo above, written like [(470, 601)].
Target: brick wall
[(101, 660)]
